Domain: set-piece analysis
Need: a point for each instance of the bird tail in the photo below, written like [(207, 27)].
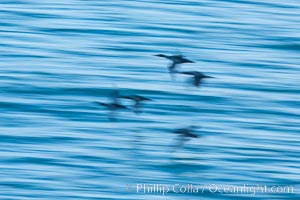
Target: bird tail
[(189, 61)]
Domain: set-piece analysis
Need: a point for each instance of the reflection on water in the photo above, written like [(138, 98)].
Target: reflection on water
[(60, 57)]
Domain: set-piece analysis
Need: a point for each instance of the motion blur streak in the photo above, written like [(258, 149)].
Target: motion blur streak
[(58, 57)]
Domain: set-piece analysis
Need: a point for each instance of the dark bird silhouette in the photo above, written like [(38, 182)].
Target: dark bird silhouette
[(185, 134), (137, 101), (197, 77), (112, 107), (176, 60)]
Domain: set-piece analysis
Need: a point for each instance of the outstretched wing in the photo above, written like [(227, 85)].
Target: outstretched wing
[(136, 107), (102, 104), (188, 72), (180, 141), (172, 67)]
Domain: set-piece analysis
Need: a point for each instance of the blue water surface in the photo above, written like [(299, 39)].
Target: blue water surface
[(59, 57)]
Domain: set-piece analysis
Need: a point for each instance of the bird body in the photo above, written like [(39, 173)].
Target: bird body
[(112, 106), (197, 76), (176, 60), (185, 134), (137, 101), (136, 98)]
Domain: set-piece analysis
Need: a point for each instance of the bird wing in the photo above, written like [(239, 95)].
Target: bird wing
[(192, 135), (119, 106), (181, 139), (102, 104), (136, 107), (181, 59), (197, 81), (127, 97), (188, 73), (172, 67), (144, 98)]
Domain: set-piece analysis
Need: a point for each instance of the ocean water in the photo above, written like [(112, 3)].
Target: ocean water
[(59, 57)]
